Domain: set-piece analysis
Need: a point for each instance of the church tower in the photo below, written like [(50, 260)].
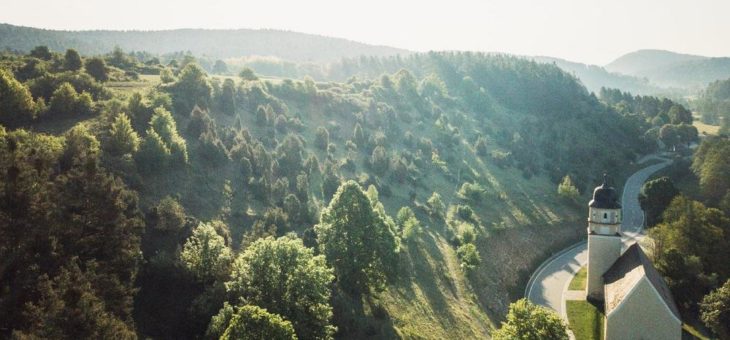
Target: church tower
[(604, 237)]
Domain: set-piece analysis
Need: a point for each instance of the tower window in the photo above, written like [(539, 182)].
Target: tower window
[(605, 215)]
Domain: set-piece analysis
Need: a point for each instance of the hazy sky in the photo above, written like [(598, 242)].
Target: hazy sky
[(580, 30)]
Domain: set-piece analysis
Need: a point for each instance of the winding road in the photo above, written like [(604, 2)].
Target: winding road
[(550, 281)]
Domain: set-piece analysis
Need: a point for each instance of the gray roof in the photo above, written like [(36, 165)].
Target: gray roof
[(626, 272)]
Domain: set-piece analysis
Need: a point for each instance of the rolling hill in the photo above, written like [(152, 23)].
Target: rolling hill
[(670, 69), (293, 46)]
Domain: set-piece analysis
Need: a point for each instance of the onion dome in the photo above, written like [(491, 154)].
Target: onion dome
[(605, 197)]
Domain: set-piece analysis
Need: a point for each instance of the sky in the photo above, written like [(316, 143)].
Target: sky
[(594, 32)]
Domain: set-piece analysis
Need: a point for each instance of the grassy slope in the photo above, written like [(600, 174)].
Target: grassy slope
[(522, 222)]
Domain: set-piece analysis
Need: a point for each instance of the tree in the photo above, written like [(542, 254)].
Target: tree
[(41, 52), (220, 67), (153, 154), (164, 124), (379, 160), (16, 105), (247, 74), (170, 215), (122, 137), (567, 189), (227, 100), (358, 136), (528, 321), (715, 311), (286, 278), (192, 88), (72, 60), (655, 196), (409, 225), (357, 240), (66, 102), (96, 67), (322, 138), (436, 205), (206, 255), (166, 76), (255, 323), (468, 254)]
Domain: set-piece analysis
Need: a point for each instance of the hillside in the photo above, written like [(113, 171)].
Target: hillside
[(673, 70), (220, 44), (474, 145), (595, 77), (641, 61)]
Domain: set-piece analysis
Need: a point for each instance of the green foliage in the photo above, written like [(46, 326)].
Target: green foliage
[(436, 205), (170, 215), (72, 60), (66, 102), (16, 105), (322, 138), (481, 146), (690, 248), (164, 125), (96, 67), (715, 310), (41, 52), (206, 255), (122, 137), (60, 210), (153, 154), (468, 256), (409, 225), (473, 192), (226, 98), (711, 164), (529, 321), (251, 322), (357, 240), (286, 278), (567, 189), (379, 160), (655, 196), (247, 74), (192, 88)]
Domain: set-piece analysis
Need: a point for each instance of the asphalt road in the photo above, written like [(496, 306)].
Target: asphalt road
[(549, 282)]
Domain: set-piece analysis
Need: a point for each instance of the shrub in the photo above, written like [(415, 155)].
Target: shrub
[(469, 256)]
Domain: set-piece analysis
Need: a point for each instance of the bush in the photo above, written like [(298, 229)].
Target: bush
[(170, 215), (16, 105), (567, 189), (322, 138), (436, 205), (472, 192), (469, 256), (66, 102), (409, 225)]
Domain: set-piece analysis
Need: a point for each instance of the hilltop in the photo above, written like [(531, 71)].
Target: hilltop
[(292, 46), (670, 69)]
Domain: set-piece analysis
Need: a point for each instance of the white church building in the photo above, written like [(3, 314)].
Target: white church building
[(637, 302)]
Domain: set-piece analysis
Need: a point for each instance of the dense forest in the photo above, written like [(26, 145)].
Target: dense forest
[(688, 212), (144, 197), (714, 104)]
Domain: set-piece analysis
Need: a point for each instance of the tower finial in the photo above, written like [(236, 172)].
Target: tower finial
[(605, 179)]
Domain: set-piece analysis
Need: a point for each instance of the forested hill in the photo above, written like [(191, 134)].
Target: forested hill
[(595, 77), (157, 206), (293, 46), (670, 69)]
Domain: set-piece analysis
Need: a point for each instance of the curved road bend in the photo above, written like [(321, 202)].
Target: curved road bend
[(551, 279)]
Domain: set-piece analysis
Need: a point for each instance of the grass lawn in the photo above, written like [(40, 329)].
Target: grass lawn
[(579, 280), (585, 320)]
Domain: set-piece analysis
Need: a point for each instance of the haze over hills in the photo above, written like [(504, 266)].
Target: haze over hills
[(670, 69), (293, 46)]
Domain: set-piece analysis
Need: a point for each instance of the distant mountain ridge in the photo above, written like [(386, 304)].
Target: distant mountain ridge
[(594, 77), (670, 69), (292, 46)]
